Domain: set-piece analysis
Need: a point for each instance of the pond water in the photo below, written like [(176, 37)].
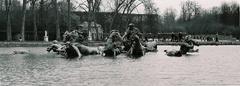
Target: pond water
[(212, 66)]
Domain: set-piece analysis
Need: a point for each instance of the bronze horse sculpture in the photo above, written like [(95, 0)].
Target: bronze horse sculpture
[(114, 46), (136, 48), (69, 50)]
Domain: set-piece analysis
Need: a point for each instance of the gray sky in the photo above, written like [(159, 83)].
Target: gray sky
[(175, 4)]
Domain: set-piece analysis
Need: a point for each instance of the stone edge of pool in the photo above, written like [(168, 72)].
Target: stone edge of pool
[(44, 44)]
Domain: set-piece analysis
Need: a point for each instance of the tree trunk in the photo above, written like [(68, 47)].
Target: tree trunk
[(9, 28), (69, 12), (8, 11), (58, 37), (239, 16), (34, 21), (35, 27), (1, 5), (89, 17), (23, 19), (42, 15)]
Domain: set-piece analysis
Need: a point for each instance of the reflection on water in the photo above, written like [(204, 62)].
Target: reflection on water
[(213, 66)]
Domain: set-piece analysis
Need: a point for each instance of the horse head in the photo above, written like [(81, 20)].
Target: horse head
[(59, 49), (115, 36), (52, 48)]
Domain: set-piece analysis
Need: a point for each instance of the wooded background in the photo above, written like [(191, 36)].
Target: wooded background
[(29, 18)]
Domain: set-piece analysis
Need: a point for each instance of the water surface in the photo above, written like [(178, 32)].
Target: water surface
[(213, 66)]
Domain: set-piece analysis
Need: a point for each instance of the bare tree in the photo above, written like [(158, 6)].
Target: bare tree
[(23, 19), (8, 5), (42, 13), (93, 6), (1, 5), (190, 9), (169, 17), (151, 22), (55, 3), (35, 30), (149, 7), (68, 15), (129, 7), (96, 9), (230, 14), (123, 7), (118, 6)]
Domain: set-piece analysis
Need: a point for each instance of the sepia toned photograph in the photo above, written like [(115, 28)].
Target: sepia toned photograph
[(119, 43)]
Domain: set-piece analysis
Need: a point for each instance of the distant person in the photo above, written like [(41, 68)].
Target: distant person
[(180, 36), (209, 38), (164, 39), (216, 38), (158, 36), (153, 36), (204, 38), (172, 37)]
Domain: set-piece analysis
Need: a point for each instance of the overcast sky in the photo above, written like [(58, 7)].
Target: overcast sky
[(175, 4)]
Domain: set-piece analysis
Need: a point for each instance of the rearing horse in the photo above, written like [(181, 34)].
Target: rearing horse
[(136, 49), (113, 45)]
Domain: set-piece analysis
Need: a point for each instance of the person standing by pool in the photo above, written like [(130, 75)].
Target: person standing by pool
[(172, 37), (180, 36), (216, 38)]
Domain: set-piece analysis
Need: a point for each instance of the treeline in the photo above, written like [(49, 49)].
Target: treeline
[(28, 19), (196, 20)]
